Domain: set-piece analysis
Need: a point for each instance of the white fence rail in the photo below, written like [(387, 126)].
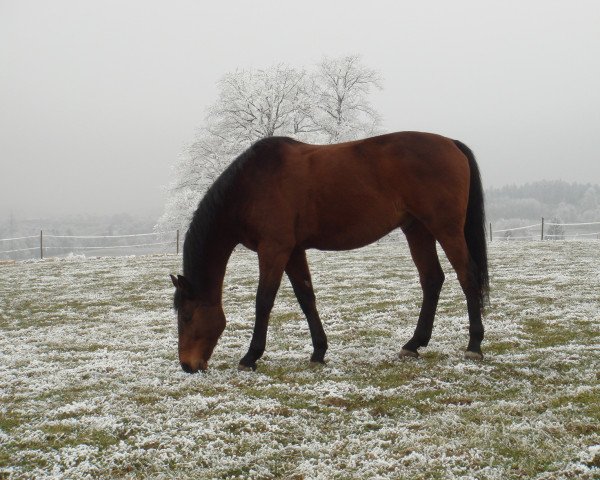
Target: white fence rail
[(548, 231), (45, 245)]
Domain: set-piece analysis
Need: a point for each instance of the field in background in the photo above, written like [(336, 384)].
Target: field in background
[(90, 385)]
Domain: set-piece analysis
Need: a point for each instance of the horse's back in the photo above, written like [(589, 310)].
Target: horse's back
[(351, 194)]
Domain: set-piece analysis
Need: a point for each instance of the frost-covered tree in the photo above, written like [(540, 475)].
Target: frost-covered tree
[(341, 88), (254, 104), (590, 205), (325, 106)]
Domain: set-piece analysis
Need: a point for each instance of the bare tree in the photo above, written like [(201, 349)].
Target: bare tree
[(254, 104), (342, 110), (326, 106)]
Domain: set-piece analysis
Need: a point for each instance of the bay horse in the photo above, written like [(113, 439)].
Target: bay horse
[(281, 197)]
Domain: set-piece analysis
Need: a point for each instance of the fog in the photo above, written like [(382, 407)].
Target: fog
[(98, 98)]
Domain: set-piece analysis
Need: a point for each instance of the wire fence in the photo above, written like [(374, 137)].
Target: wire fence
[(45, 245), (547, 231)]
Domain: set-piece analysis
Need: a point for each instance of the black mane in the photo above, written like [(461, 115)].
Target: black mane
[(204, 219), (214, 202)]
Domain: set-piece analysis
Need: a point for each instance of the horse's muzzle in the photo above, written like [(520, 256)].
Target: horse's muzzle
[(187, 368)]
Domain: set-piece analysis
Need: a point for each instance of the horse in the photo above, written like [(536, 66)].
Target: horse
[(281, 197)]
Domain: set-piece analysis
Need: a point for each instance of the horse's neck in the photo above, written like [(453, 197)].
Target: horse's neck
[(209, 272)]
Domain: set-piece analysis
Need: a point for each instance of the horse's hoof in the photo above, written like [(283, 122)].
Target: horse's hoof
[(246, 368), (404, 353), (316, 364), (469, 355)]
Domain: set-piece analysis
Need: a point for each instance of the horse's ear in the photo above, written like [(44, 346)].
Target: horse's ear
[(181, 283)]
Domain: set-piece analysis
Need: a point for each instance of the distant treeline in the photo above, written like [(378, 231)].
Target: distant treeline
[(512, 205)]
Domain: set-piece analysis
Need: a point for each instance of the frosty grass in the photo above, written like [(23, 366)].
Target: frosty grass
[(90, 386)]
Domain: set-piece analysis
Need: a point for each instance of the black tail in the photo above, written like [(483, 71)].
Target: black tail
[(475, 226)]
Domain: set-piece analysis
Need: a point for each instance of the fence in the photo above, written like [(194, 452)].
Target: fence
[(548, 231), (45, 245)]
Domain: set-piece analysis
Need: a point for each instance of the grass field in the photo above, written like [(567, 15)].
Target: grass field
[(90, 386)]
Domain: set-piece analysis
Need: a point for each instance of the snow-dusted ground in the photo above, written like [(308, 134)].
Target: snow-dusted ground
[(90, 386)]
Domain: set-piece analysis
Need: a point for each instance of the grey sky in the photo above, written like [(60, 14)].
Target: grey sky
[(97, 98)]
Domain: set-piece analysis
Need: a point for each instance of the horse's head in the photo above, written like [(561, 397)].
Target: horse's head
[(199, 326)]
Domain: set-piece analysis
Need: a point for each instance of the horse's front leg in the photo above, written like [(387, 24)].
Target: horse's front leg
[(272, 261)]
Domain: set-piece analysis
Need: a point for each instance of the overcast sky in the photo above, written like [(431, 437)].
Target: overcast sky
[(97, 98)]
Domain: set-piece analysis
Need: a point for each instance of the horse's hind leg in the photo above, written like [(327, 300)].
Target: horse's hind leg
[(299, 275), (271, 261), (422, 248), (455, 246)]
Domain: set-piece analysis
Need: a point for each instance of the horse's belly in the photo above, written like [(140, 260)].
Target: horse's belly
[(344, 242), (343, 231)]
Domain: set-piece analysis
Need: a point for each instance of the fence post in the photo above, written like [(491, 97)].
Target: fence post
[(542, 228), (41, 244), (177, 250), (491, 237)]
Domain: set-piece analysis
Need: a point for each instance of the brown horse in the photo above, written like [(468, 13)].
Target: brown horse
[(281, 197)]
